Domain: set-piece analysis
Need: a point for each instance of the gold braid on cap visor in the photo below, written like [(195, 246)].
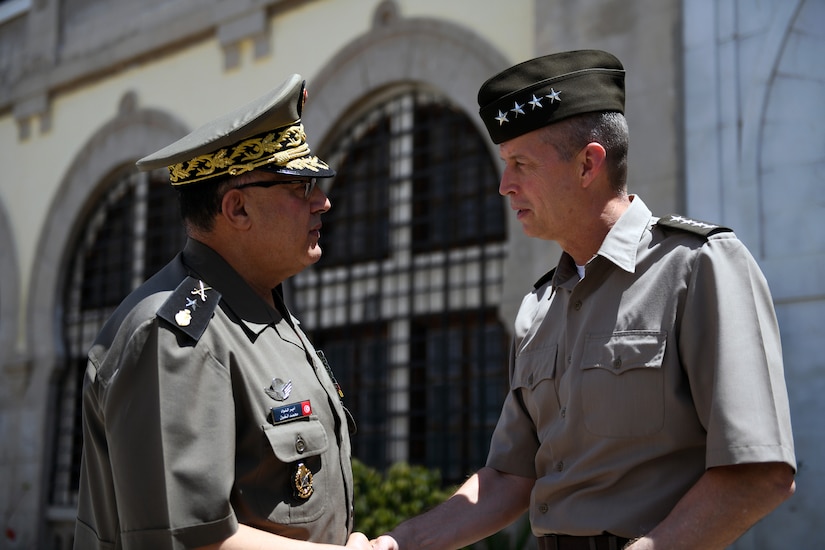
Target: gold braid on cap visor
[(288, 150)]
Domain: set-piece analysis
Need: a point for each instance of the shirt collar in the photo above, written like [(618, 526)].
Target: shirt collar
[(622, 241), (619, 246)]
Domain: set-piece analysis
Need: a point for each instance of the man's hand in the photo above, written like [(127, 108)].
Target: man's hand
[(385, 542), (358, 541)]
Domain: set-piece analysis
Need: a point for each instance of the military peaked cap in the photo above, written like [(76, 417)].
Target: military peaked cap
[(264, 134)]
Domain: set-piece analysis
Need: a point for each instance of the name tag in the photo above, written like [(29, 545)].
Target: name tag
[(291, 412)]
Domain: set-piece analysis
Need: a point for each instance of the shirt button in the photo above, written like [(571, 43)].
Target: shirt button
[(617, 362), (569, 359), (530, 380), (543, 508), (300, 445), (563, 412), (559, 466), (578, 305)]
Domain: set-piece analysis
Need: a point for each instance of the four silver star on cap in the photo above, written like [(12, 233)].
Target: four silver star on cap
[(535, 103)]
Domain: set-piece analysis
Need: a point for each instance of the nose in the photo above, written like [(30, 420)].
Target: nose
[(507, 185), (319, 200)]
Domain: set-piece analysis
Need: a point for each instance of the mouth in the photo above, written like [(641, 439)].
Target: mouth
[(520, 212)]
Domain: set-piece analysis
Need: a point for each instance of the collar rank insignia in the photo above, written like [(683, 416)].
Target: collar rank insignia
[(190, 307), (279, 390)]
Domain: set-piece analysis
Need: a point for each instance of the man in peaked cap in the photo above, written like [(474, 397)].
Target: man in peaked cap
[(209, 420), (647, 404)]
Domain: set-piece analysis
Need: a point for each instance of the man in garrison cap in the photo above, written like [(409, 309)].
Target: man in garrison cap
[(647, 404), (209, 420)]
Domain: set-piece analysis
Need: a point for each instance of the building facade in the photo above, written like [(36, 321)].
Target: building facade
[(424, 264)]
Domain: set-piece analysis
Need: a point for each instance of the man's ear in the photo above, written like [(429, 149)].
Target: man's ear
[(592, 162), (233, 209)]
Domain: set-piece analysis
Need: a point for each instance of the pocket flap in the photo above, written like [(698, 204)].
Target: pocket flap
[(533, 366), (625, 350), (296, 440)]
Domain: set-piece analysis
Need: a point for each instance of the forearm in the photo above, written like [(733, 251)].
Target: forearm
[(249, 538), (721, 506), (485, 504)]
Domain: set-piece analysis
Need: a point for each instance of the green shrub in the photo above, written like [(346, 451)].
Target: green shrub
[(384, 501)]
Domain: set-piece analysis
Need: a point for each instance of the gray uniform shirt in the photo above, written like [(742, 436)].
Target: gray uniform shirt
[(181, 442), (664, 360)]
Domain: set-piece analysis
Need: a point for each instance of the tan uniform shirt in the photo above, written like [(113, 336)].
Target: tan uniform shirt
[(664, 360), (181, 442)]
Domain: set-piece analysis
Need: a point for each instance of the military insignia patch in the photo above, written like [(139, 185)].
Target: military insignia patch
[(279, 390), (183, 318), (697, 227), (190, 307), (303, 481)]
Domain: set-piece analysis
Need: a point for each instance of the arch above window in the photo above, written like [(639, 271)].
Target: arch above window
[(426, 52)]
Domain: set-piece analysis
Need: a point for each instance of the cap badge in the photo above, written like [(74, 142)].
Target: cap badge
[(279, 390)]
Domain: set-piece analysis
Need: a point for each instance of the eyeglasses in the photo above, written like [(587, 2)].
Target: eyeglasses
[(308, 183)]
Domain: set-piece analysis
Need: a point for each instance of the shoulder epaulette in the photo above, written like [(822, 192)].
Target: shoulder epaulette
[(190, 307), (544, 279), (692, 226)]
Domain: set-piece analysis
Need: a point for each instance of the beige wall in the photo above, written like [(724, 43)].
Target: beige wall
[(192, 85)]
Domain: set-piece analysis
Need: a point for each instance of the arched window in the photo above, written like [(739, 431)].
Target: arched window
[(131, 232), (404, 300)]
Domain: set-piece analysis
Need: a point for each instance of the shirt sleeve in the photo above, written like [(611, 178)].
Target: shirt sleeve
[(170, 431), (730, 347)]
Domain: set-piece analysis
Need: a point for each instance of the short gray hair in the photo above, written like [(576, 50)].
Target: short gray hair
[(607, 128)]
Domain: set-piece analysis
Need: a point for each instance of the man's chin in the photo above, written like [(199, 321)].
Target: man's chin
[(315, 253)]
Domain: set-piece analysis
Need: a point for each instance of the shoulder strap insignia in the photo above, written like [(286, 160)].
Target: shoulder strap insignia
[(190, 307), (692, 226)]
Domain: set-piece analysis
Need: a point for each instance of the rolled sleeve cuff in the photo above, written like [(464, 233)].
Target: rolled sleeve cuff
[(751, 455), (181, 538)]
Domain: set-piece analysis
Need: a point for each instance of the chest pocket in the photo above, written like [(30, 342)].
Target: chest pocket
[(534, 375), (293, 443), (623, 383)]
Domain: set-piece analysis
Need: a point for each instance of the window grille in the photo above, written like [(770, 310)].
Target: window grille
[(131, 232), (404, 299)]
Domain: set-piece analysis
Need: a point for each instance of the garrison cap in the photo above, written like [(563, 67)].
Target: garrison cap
[(548, 89), (265, 134)]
